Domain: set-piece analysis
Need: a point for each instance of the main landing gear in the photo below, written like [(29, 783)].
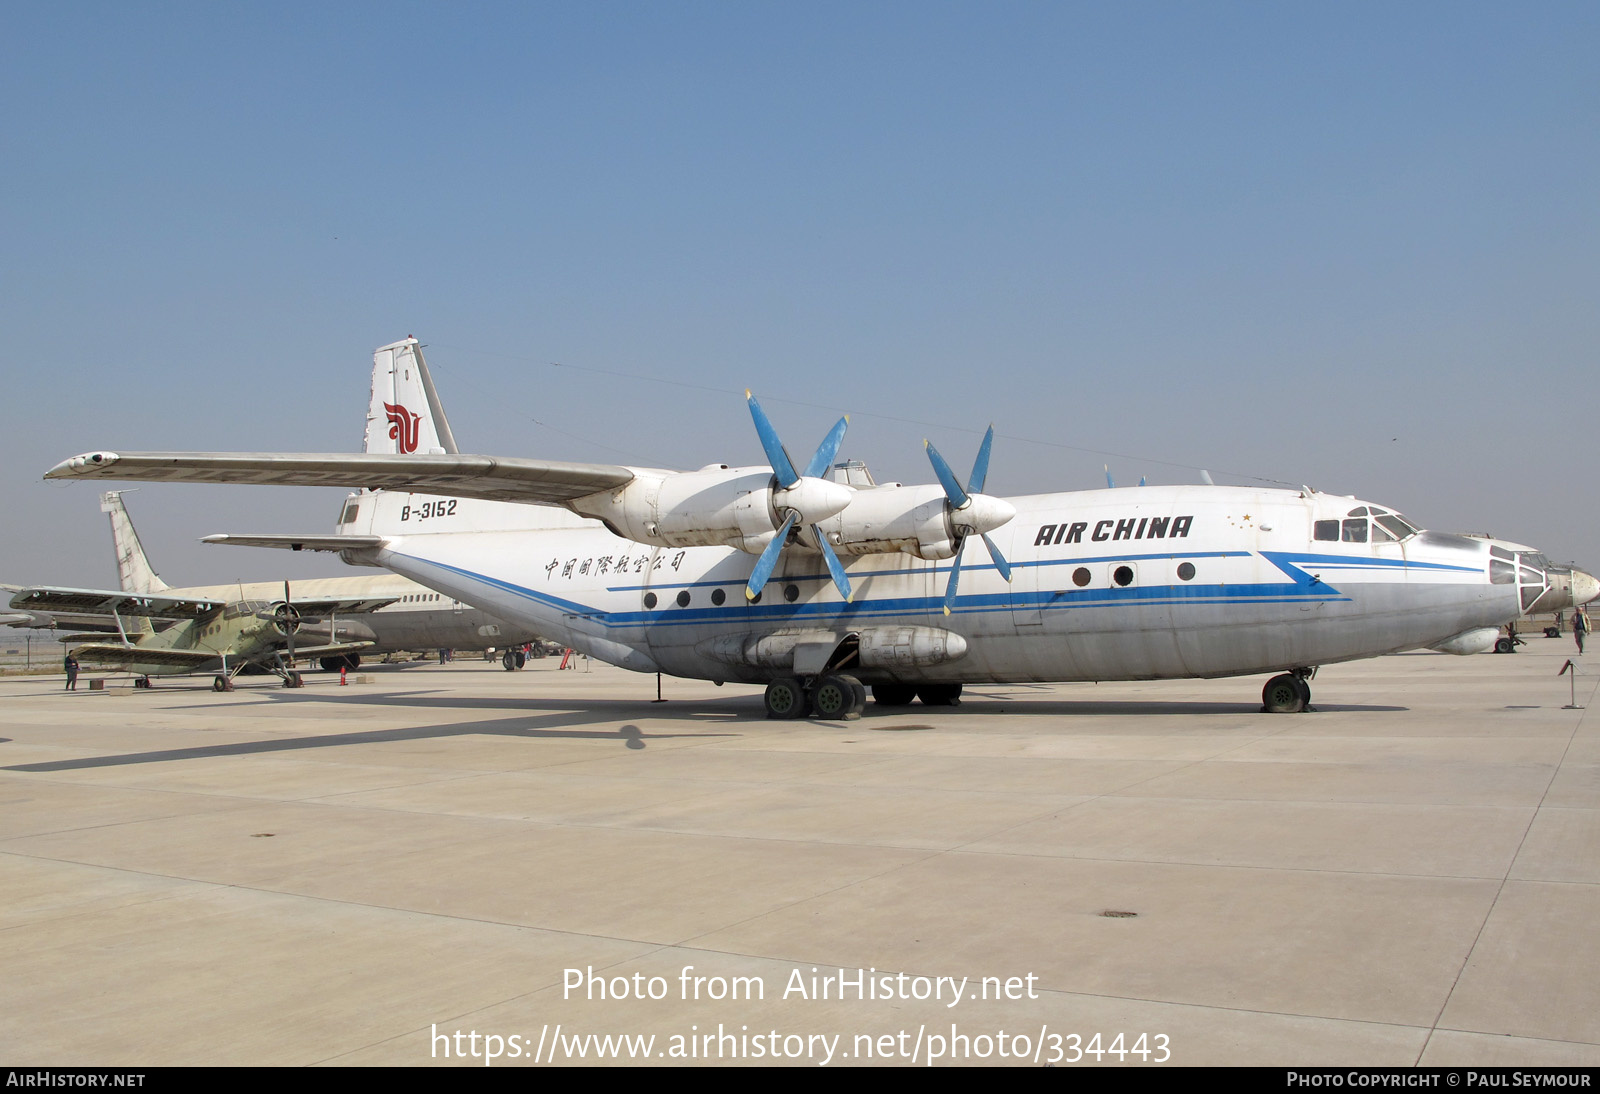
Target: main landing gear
[(1289, 693), (832, 696), (835, 696)]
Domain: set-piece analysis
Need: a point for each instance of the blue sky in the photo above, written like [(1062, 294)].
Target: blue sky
[(1352, 245)]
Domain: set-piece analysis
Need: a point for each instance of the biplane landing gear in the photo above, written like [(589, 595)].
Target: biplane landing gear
[(141, 682), (293, 679), (221, 683)]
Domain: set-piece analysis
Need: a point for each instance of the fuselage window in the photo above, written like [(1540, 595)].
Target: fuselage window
[(649, 600), (1186, 571), (683, 599), (350, 512), (718, 596), (1380, 534), (1502, 573), (791, 593), (1328, 529), (1123, 575), (1080, 576), (1355, 530)]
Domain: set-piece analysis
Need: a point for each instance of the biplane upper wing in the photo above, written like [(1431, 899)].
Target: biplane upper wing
[(49, 598)]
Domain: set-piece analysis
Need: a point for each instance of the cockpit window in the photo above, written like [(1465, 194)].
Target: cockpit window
[(1398, 526), (1365, 523)]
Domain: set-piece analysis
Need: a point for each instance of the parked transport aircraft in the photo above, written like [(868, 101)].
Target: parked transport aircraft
[(817, 581)]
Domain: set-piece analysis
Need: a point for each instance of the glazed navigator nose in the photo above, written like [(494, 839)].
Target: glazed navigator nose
[(1585, 587)]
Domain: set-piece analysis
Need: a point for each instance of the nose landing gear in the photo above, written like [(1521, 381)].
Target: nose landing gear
[(1288, 693)]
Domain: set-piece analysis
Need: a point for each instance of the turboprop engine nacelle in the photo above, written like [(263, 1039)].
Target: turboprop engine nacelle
[(915, 519), (896, 649), (716, 506)]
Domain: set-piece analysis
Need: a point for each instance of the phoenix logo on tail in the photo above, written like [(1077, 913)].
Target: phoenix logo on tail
[(402, 427)]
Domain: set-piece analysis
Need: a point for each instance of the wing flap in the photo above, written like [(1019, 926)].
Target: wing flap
[(292, 542), (136, 655), (493, 478)]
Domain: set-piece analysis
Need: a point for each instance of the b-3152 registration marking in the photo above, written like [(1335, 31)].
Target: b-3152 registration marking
[(444, 507)]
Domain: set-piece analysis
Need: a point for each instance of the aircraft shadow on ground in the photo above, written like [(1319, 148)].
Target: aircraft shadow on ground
[(748, 708), (629, 736), (1151, 708)]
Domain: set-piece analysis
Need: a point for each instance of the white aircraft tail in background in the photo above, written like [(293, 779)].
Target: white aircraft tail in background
[(134, 572), (404, 415)]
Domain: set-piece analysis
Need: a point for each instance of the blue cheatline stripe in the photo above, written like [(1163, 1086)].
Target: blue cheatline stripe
[(838, 612), (1290, 563)]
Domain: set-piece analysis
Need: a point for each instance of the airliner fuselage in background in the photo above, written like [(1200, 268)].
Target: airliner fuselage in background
[(815, 581)]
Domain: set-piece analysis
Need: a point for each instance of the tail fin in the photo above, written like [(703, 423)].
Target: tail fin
[(405, 414), (134, 571)]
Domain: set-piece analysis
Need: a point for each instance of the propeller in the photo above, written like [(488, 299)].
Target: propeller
[(805, 498), (287, 619), (1111, 483), (971, 511)]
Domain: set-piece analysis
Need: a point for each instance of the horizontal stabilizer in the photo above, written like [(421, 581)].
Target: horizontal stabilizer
[(493, 478), (315, 542)]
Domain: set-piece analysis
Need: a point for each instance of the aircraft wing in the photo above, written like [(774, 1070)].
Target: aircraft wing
[(494, 478), (106, 602), (303, 652), (315, 609), (293, 542), (108, 654)]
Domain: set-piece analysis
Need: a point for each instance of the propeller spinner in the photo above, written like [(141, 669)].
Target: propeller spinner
[(801, 499), (971, 511)]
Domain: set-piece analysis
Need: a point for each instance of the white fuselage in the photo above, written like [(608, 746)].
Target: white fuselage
[(1136, 583)]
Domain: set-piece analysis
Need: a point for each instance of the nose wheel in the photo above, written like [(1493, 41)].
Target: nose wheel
[(1288, 693)]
